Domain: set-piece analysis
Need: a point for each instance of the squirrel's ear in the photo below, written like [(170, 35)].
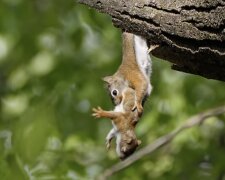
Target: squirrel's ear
[(107, 79)]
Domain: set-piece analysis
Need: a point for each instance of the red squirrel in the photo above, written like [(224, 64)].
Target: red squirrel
[(124, 121), (128, 88), (134, 71)]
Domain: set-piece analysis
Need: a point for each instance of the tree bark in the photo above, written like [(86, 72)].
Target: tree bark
[(190, 33)]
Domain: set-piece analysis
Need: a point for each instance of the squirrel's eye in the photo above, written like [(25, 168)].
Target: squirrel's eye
[(114, 92)]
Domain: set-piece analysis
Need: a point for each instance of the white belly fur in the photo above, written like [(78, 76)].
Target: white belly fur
[(143, 59)]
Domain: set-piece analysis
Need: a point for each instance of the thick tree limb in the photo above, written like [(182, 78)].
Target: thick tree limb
[(191, 33), (158, 143)]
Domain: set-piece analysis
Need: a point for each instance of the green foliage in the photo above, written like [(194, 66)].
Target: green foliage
[(52, 57)]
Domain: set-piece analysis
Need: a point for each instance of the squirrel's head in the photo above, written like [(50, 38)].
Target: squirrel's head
[(128, 144), (115, 86)]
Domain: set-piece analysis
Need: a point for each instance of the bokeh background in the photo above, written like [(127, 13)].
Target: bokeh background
[(52, 57)]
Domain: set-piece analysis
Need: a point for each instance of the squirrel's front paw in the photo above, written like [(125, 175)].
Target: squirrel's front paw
[(108, 144), (97, 112), (139, 109)]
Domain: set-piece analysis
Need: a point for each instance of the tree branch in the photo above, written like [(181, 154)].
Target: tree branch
[(158, 143), (191, 34)]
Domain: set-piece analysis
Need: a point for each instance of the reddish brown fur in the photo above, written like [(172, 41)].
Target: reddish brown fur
[(125, 122), (129, 72)]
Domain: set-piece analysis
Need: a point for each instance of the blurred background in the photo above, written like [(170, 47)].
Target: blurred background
[(52, 57)]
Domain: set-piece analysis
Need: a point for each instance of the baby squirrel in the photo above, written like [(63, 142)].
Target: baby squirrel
[(134, 71), (124, 121)]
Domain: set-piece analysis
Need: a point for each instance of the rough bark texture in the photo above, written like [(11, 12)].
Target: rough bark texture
[(191, 33)]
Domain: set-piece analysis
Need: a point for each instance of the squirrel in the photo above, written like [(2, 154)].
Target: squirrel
[(124, 121), (134, 71)]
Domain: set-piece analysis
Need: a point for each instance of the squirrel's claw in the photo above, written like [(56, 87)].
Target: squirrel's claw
[(139, 108), (134, 108), (108, 145), (97, 112), (99, 108), (95, 115), (152, 47), (108, 142)]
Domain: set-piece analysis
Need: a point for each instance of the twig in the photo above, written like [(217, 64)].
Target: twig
[(163, 140)]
